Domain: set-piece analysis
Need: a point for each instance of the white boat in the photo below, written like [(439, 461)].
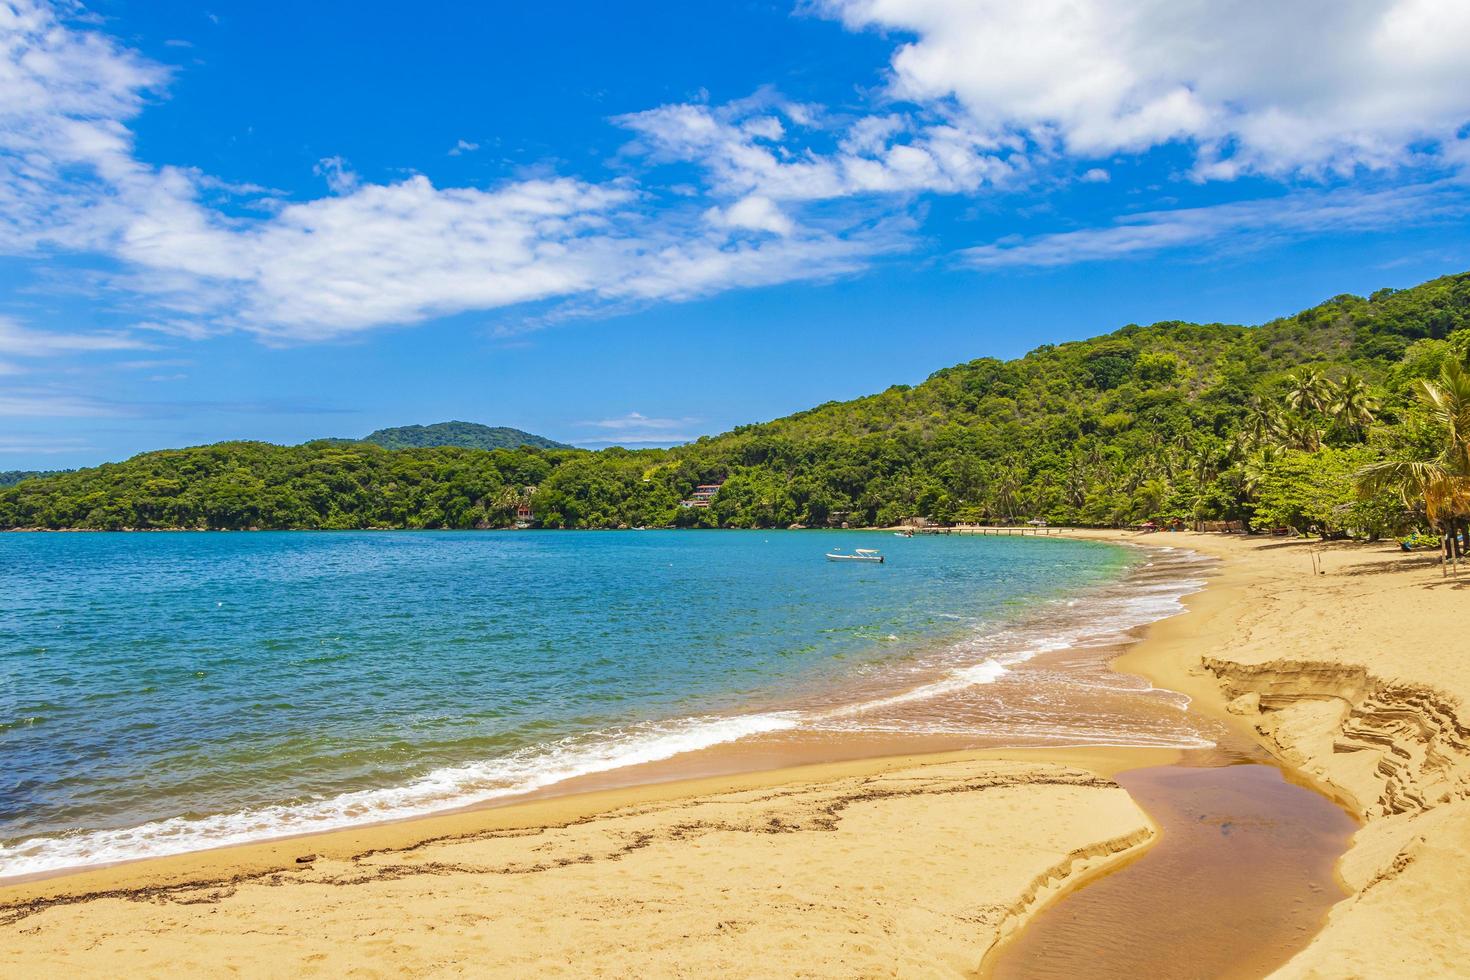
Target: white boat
[(861, 554)]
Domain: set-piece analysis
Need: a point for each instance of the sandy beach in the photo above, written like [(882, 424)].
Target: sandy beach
[(916, 865)]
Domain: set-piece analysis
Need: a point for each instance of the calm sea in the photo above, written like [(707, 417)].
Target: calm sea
[(167, 692)]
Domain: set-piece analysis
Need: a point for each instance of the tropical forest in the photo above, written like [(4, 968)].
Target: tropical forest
[(1349, 418)]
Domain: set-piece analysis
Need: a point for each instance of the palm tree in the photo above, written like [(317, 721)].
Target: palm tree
[(1255, 469), (1441, 484), (1353, 406), (1302, 432), (1262, 424), (1308, 391)]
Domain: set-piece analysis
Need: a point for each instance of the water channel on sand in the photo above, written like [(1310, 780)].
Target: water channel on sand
[(1239, 880)]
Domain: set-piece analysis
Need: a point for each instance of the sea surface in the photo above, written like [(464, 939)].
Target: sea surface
[(166, 692)]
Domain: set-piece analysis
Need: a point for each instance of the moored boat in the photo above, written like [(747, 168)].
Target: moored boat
[(860, 554)]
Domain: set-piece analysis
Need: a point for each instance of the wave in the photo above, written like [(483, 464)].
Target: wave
[(1100, 619), (520, 772)]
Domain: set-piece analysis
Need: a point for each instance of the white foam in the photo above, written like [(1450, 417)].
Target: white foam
[(519, 772), (993, 652), (985, 673)]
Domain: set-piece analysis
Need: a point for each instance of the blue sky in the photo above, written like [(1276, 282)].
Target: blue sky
[(618, 223)]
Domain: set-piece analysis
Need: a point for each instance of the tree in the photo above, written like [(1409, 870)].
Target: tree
[(1353, 406), (1441, 483), (1308, 391), (1304, 490)]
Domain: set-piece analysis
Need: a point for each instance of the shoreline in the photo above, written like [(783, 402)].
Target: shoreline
[(1339, 659), (919, 703), (192, 868), (1170, 653)]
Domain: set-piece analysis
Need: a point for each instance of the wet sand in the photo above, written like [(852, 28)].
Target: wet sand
[(1240, 879), (915, 865)]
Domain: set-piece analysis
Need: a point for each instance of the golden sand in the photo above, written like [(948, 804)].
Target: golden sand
[(1351, 663), (911, 866), (832, 871)]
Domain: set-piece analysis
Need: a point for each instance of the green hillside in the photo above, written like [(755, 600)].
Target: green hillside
[(9, 478), (1265, 424), (464, 435)]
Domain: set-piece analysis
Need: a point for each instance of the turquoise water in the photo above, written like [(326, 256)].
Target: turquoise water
[(164, 692)]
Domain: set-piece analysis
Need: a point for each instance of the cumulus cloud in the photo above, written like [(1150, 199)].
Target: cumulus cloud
[(368, 254), (755, 213), (769, 191), (1256, 86), (741, 148)]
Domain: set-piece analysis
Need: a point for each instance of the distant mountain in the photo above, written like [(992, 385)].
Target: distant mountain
[(1174, 421), (465, 435), (9, 478)]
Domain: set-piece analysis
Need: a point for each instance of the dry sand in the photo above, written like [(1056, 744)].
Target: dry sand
[(909, 866), (829, 871), (1351, 663)]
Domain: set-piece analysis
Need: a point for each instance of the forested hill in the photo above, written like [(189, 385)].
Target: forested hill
[(9, 478), (465, 435), (1265, 424)]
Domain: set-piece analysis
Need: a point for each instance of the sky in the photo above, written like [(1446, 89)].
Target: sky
[(638, 223)]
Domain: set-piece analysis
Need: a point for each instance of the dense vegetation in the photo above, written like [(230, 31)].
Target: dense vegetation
[(9, 478), (465, 435), (1272, 426)]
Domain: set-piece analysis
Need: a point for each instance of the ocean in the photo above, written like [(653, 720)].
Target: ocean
[(167, 692)]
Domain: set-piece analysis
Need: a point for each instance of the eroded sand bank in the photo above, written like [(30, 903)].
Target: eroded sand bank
[(911, 866), (828, 871), (1351, 664)]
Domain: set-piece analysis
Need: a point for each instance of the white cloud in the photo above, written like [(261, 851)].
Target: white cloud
[(42, 446), (40, 403), (340, 178), (637, 420), (998, 86), (743, 153), (641, 430), (462, 147), (1243, 224), (65, 151), (1097, 175), (20, 341), (1264, 86), (755, 213), (368, 254)]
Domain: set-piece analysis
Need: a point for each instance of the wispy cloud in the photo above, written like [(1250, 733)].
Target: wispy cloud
[(1240, 225), (639, 421), (462, 147), (747, 148), (983, 95), (340, 178), (43, 403), (20, 341), (367, 255), (636, 428), (42, 445)]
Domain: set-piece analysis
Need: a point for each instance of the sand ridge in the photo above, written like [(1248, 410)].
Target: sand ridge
[(922, 866), (1348, 662), (1354, 679)]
